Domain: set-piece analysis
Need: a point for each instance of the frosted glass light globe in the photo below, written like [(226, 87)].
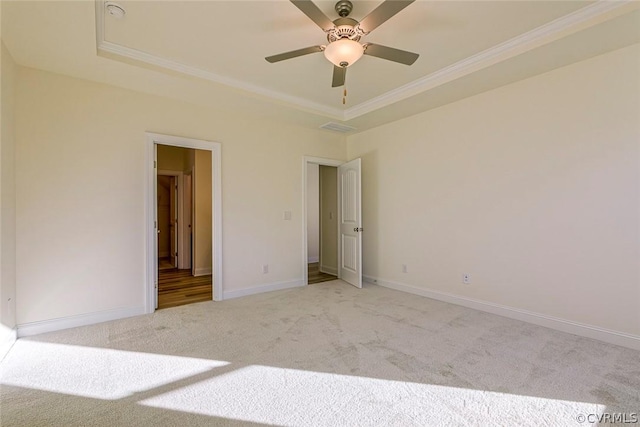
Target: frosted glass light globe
[(343, 51)]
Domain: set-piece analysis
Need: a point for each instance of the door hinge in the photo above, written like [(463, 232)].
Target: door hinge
[(155, 164), (155, 224)]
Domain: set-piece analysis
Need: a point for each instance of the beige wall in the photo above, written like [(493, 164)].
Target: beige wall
[(329, 219), (313, 212), (202, 226), (7, 198), (172, 158), (80, 156), (532, 188)]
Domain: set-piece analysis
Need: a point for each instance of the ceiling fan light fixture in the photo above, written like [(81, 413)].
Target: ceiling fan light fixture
[(343, 51)]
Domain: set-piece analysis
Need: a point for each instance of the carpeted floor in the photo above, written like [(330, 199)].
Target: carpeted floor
[(322, 355)]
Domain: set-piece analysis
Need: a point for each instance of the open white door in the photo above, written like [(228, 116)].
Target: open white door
[(350, 242)]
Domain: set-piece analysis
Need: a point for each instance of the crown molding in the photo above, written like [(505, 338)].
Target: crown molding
[(585, 17), (111, 49)]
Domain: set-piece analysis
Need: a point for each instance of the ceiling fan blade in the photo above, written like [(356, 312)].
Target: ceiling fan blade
[(382, 13), (314, 13), (339, 75), (293, 54), (391, 54)]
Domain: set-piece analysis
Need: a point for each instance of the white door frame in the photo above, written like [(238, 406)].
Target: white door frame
[(150, 211), (187, 223), (305, 250)]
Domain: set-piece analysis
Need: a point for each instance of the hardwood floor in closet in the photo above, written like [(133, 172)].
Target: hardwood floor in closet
[(179, 287), (317, 276)]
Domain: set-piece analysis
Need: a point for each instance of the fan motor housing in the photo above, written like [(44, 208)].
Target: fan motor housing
[(345, 28), (344, 7)]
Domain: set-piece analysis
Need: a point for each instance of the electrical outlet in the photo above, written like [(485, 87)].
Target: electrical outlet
[(404, 268), (265, 268), (466, 279)]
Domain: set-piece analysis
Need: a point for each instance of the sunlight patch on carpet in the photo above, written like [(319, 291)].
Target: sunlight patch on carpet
[(272, 395), (98, 372), (295, 397)]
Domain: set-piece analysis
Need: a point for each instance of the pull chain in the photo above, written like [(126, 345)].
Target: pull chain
[(344, 92)]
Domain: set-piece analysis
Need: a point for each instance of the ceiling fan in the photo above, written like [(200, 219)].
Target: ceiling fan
[(344, 35)]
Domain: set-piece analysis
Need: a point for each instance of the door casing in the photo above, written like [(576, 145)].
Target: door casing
[(305, 161), (151, 270)]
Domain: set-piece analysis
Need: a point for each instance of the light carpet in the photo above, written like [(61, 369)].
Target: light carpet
[(322, 355)]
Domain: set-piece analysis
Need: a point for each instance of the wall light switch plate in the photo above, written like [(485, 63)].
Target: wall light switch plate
[(287, 215)]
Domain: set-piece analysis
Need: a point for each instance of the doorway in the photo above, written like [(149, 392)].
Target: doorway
[(344, 208), (184, 245), (322, 225), (184, 226), (167, 207)]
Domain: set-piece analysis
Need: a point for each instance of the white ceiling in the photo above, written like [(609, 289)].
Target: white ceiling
[(212, 52)]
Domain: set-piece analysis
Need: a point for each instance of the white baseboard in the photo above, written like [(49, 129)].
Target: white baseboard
[(328, 270), (262, 288), (7, 340), (576, 328), (313, 259), (34, 328), (202, 271)]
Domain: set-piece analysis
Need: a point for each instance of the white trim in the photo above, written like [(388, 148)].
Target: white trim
[(187, 223), (583, 18), (323, 161), (113, 49), (269, 287), (216, 209), (202, 271), (7, 342), (34, 328), (305, 161), (314, 259), (329, 270), (569, 326), (545, 34)]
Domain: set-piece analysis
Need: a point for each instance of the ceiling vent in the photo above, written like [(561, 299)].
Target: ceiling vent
[(337, 127)]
